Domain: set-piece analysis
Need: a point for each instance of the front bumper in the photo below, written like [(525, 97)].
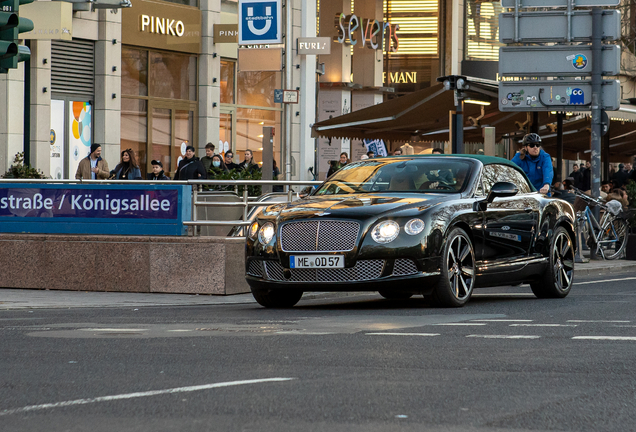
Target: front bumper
[(401, 274)]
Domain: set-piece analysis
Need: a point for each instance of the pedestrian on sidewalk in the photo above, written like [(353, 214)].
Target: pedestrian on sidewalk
[(157, 171), (93, 167), (127, 168), (209, 154), (191, 167)]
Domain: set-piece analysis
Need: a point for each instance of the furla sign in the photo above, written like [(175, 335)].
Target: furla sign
[(369, 33)]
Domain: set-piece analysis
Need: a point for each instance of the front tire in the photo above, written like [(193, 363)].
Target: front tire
[(557, 281), (276, 299), (458, 271)]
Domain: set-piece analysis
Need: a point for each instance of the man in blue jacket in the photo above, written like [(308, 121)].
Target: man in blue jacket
[(535, 162)]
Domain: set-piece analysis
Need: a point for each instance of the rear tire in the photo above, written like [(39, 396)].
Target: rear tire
[(616, 230), (276, 299), (556, 282), (395, 295)]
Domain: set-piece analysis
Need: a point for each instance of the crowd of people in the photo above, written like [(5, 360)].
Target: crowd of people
[(210, 166)]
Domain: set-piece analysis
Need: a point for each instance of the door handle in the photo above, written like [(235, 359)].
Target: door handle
[(528, 209)]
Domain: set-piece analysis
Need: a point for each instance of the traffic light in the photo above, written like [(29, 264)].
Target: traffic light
[(11, 25)]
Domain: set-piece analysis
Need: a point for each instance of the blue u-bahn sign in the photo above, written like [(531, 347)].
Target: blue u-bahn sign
[(260, 22), (94, 209)]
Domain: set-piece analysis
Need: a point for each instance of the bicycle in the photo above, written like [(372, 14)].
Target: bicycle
[(607, 237)]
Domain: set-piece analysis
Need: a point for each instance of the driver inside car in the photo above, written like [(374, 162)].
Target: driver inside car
[(437, 184)]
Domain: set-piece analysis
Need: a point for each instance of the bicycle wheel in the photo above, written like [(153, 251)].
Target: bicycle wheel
[(614, 239)]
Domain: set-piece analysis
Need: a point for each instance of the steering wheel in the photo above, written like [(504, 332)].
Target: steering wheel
[(445, 186)]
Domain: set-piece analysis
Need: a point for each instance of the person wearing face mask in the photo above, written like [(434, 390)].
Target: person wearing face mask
[(217, 167)]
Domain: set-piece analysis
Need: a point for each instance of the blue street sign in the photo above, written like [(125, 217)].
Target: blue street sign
[(260, 22), (278, 95)]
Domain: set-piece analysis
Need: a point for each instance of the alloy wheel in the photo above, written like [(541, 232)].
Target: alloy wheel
[(563, 261), (461, 267)]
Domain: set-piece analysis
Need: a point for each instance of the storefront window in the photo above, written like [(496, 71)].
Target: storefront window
[(482, 30), (134, 72), (257, 88), (172, 76), (227, 81), (183, 132), (249, 132), (134, 129), (161, 137)]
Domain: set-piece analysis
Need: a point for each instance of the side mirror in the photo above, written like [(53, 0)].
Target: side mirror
[(502, 190)]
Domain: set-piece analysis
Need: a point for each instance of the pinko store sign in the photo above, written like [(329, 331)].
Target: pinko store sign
[(94, 209)]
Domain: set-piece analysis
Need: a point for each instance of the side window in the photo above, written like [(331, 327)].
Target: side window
[(513, 176), (489, 177)]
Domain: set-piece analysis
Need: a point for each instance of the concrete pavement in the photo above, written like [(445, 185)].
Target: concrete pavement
[(57, 299)]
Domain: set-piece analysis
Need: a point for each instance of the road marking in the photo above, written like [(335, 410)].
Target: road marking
[(505, 320), (597, 321), (461, 324), (138, 395), (180, 330), (504, 336), (402, 334), (112, 330), (543, 325), (605, 280), (617, 338)]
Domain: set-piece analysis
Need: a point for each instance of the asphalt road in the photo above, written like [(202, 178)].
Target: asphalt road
[(505, 362)]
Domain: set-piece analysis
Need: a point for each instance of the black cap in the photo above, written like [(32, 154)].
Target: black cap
[(156, 162)]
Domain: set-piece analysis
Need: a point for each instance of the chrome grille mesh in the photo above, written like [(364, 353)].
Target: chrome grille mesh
[(404, 267), (363, 270), (319, 236), (255, 268)]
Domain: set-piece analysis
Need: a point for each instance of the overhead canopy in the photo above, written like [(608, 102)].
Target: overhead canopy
[(424, 116)]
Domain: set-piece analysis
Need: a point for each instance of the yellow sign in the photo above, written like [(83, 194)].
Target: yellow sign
[(400, 77), (51, 20), (162, 25)]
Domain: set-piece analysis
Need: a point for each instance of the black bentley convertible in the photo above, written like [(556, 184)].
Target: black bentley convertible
[(436, 225)]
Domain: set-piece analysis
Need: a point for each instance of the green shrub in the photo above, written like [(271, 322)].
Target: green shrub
[(236, 174), (21, 171)]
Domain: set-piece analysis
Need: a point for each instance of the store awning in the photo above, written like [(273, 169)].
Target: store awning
[(404, 118), (424, 116)]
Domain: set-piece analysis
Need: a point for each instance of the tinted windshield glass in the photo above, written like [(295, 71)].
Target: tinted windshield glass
[(439, 175)]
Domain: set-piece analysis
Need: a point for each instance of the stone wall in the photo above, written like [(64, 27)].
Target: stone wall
[(186, 265)]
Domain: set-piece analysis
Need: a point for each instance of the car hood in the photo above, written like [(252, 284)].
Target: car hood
[(355, 206)]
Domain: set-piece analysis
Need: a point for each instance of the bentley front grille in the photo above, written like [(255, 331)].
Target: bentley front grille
[(404, 267), (319, 236), (255, 268), (364, 270)]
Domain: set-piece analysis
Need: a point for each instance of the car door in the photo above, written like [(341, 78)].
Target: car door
[(509, 223)]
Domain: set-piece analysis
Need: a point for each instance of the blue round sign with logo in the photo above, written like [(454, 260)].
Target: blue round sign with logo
[(579, 62)]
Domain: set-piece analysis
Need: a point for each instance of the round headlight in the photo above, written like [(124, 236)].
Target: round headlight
[(253, 230), (385, 232), (266, 234), (414, 226)]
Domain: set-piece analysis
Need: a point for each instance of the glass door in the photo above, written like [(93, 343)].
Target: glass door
[(226, 132), (160, 134), (170, 130)]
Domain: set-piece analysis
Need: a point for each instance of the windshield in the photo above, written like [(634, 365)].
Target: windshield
[(439, 175)]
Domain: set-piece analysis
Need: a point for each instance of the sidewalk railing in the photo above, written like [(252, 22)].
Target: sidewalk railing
[(246, 202)]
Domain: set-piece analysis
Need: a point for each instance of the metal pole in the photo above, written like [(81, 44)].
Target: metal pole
[(597, 80), (288, 85), (559, 164)]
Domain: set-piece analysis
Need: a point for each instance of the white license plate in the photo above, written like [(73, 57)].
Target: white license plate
[(316, 261)]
